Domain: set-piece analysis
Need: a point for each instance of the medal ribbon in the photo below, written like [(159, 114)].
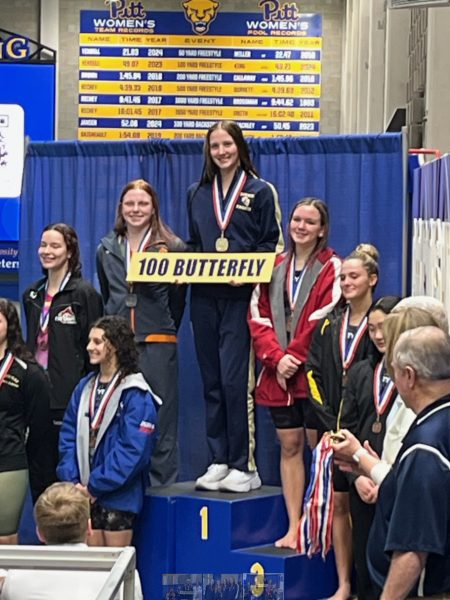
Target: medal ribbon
[(382, 400), (315, 527), (45, 313), (6, 365), (97, 418), (293, 287), (347, 355), (224, 214), (142, 245)]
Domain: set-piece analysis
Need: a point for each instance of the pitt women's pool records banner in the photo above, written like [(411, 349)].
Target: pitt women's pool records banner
[(149, 74)]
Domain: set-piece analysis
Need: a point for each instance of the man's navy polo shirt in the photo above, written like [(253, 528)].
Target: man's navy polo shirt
[(413, 508)]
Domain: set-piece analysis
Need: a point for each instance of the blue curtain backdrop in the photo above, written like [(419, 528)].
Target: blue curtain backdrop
[(360, 178), (431, 190)]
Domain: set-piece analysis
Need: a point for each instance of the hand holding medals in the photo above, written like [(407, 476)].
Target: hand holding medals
[(344, 445), (344, 442), (345, 450), (337, 437)]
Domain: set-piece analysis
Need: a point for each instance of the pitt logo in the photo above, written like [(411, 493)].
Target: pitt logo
[(245, 202), (276, 11), (14, 48), (200, 14), (122, 9)]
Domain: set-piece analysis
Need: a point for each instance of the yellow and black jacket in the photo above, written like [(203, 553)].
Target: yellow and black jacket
[(324, 369)]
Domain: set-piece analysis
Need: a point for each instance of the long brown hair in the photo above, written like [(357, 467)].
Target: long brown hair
[(210, 169), (398, 322), (14, 338), (73, 248), (121, 337), (160, 231)]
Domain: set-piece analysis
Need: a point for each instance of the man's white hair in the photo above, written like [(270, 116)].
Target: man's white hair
[(426, 350)]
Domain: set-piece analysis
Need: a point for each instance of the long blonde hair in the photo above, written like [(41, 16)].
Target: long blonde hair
[(398, 322)]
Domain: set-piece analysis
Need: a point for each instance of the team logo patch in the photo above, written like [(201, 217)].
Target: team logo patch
[(11, 380), (146, 427), (200, 14), (66, 316), (245, 201)]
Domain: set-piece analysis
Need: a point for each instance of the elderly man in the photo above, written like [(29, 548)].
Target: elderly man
[(409, 545)]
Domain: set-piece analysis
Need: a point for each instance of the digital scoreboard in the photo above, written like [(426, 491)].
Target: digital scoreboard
[(168, 75)]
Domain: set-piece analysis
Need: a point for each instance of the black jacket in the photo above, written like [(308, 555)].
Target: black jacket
[(72, 312), (324, 369), (25, 438), (358, 411), (159, 307)]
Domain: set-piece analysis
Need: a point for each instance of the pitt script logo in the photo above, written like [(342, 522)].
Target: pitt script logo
[(120, 9), (200, 13), (273, 10)]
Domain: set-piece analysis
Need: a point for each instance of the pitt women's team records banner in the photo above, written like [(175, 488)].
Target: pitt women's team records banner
[(149, 74)]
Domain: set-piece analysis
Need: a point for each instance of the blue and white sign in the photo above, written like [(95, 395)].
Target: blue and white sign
[(12, 141)]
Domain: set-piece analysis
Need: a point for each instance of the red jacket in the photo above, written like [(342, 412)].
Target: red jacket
[(319, 293)]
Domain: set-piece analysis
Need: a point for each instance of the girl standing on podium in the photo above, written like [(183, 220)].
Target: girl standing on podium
[(59, 310), (107, 433), (340, 341), (230, 210), (369, 397), (153, 310), (283, 315)]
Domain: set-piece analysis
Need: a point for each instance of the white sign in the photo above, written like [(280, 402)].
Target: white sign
[(12, 145)]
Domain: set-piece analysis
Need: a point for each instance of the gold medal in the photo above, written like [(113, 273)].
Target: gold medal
[(222, 244)]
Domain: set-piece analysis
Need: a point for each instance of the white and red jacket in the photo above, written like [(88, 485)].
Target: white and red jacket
[(319, 293)]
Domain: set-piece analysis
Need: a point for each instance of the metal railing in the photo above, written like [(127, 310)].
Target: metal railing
[(121, 562)]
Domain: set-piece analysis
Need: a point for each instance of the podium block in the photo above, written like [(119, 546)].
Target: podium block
[(182, 530), (154, 539), (214, 523), (304, 578)]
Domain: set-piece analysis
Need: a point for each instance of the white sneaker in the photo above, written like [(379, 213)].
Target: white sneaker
[(240, 481), (213, 476)]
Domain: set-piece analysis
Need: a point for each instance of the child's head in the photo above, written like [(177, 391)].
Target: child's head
[(62, 514)]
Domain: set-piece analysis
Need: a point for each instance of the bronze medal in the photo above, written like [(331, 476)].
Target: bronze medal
[(383, 393), (222, 244), (377, 426)]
